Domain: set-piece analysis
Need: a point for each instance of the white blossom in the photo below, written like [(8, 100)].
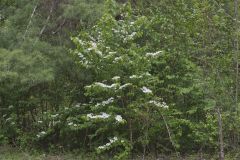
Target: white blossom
[(133, 76), (70, 123), (146, 90), (117, 59), (125, 85), (112, 140), (115, 31), (112, 53), (80, 41), (104, 103), (101, 147), (118, 118), (77, 105), (129, 37), (116, 78), (42, 133), (81, 55), (93, 46), (132, 35), (40, 121), (164, 105), (104, 85), (147, 74), (54, 116), (99, 52), (154, 55), (141, 76), (103, 115), (159, 104), (110, 100)]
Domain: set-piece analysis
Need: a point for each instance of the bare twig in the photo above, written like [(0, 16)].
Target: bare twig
[(30, 21), (46, 22), (170, 136)]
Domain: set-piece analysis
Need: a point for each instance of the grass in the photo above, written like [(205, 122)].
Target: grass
[(9, 153)]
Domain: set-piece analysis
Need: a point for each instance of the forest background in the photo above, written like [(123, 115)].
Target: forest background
[(120, 79)]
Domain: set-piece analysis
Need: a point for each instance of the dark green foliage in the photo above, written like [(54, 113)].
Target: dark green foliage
[(137, 77)]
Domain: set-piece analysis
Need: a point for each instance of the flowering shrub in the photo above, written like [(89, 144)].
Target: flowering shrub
[(123, 97)]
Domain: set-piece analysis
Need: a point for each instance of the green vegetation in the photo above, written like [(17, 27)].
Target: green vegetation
[(120, 79)]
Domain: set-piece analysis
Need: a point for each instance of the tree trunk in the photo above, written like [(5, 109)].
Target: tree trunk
[(220, 133), (236, 51)]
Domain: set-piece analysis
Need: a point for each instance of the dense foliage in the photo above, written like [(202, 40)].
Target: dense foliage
[(120, 78)]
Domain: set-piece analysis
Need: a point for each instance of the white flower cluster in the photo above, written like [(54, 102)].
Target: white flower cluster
[(117, 59), (78, 105), (104, 103), (154, 55), (114, 86), (42, 133), (81, 56), (141, 76), (159, 104), (83, 59), (54, 115), (105, 86), (94, 47), (110, 55), (72, 124), (116, 78), (80, 41), (134, 77), (103, 115), (115, 31), (125, 85), (130, 36), (146, 90), (132, 23), (112, 140), (119, 118)]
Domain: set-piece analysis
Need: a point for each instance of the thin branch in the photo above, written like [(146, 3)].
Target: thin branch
[(170, 136), (46, 22), (30, 21)]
